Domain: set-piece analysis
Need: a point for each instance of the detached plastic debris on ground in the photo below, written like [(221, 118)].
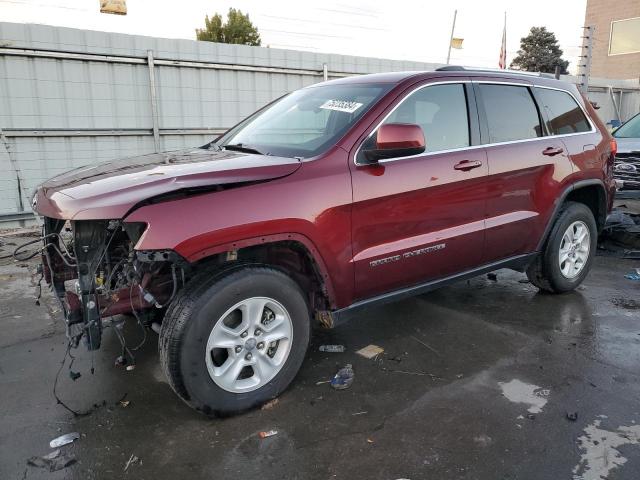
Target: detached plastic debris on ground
[(53, 461), (332, 348), (343, 379), (64, 439), (621, 233), (634, 275), (132, 460)]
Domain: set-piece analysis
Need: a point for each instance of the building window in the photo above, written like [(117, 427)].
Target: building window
[(625, 36)]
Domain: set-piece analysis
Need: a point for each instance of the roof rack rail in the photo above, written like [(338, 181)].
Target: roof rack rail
[(460, 68)]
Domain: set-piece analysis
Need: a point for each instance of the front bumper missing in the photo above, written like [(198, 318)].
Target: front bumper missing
[(105, 276)]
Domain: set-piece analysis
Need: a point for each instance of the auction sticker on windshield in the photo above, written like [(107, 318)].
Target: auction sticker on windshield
[(341, 106)]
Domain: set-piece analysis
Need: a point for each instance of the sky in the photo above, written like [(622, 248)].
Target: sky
[(402, 30)]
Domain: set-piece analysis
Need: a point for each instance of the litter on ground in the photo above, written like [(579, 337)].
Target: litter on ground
[(64, 439), (53, 461), (270, 404), (343, 379), (332, 348), (370, 351)]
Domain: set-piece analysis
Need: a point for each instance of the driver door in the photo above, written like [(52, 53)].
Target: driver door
[(421, 217)]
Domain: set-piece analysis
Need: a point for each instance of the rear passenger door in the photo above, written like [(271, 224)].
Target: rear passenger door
[(566, 119), (526, 167)]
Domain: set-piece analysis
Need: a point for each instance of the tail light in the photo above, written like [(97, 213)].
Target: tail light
[(613, 149)]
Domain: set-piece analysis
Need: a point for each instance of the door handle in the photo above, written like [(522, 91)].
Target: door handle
[(466, 165), (551, 151)]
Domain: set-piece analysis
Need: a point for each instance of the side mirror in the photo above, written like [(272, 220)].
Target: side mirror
[(397, 140)]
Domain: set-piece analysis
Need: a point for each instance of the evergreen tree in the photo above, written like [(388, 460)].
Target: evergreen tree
[(539, 52)]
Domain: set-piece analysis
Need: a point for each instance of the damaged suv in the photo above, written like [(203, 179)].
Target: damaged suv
[(340, 195)]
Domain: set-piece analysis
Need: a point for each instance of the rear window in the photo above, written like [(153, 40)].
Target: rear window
[(563, 113), (511, 113)]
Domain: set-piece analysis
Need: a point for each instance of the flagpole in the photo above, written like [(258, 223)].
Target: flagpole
[(453, 27), (502, 63)]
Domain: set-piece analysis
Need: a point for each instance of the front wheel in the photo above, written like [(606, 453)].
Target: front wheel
[(568, 253), (236, 340)]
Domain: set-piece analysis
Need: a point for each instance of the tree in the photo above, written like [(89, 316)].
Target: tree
[(539, 52), (238, 29)]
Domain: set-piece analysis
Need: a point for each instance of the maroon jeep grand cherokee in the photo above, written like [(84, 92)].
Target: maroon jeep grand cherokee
[(343, 194)]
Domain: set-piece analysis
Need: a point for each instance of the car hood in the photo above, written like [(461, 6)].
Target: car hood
[(627, 145), (110, 190)]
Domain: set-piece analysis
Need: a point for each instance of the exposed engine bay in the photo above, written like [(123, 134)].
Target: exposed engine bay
[(95, 273)]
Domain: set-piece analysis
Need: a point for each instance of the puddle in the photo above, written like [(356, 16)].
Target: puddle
[(600, 450), (529, 394)]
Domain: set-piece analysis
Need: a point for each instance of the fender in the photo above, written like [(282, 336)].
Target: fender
[(561, 199), (272, 238), (267, 239)]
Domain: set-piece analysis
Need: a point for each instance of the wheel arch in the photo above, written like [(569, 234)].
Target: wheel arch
[(292, 253), (591, 193)]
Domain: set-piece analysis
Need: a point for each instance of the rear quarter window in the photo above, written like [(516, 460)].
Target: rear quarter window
[(563, 113)]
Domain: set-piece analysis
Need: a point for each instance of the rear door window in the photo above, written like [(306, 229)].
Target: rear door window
[(511, 113), (564, 115)]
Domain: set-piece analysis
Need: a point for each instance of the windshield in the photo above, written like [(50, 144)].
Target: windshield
[(306, 122), (631, 129)]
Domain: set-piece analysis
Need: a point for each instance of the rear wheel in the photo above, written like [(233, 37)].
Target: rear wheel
[(568, 253), (235, 341)]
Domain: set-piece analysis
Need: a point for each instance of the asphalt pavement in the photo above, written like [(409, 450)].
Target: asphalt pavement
[(486, 379)]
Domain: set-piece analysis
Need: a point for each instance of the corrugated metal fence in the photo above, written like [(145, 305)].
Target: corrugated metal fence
[(72, 97)]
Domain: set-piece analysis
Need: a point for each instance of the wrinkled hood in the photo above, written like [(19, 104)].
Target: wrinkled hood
[(110, 190), (627, 145)]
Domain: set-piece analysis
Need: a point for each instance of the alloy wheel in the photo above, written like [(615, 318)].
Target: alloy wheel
[(249, 344), (574, 249)]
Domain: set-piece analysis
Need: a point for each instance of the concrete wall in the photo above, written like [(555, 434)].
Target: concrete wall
[(73, 97)]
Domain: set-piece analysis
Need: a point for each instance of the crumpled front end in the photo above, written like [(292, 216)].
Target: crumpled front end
[(96, 273)]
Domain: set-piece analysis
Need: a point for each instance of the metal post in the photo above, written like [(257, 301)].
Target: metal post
[(325, 72), (154, 103), (615, 104), (587, 51), (557, 72), (16, 170), (453, 27)]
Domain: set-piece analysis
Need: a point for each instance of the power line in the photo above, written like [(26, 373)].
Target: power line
[(303, 34), (47, 5), (348, 12), (315, 21)]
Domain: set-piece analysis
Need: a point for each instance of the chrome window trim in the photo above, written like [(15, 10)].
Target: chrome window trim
[(593, 127), (471, 147)]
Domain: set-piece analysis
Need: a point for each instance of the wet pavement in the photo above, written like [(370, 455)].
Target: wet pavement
[(475, 382)]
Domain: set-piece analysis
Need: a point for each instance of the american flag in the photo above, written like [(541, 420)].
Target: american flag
[(502, 63)]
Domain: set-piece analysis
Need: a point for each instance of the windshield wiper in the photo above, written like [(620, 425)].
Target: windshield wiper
[(239, 147)]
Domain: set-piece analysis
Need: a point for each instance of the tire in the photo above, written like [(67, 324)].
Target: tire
[(210, 309), (546, 272)]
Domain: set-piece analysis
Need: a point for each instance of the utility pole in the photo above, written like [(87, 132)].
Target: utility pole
[(453, 27), (585, 65)]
